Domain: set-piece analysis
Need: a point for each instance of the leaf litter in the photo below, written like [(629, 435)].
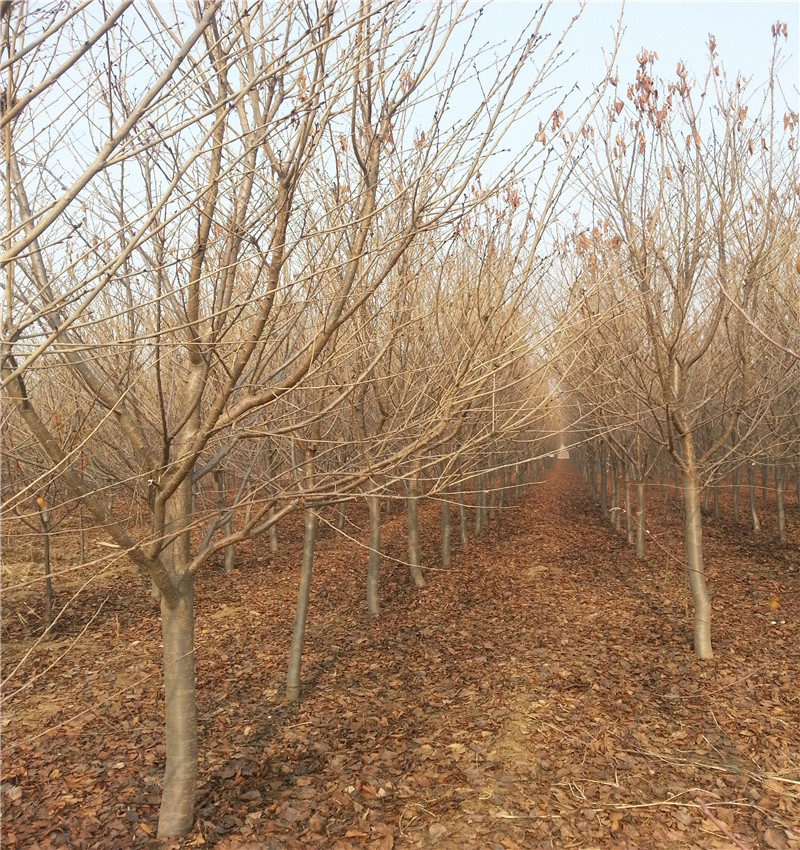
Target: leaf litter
[(542, 692)]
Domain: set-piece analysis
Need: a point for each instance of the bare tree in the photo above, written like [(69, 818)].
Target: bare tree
[(671, 187), (203, 180)]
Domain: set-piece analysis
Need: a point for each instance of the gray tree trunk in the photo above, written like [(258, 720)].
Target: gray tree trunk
[(797, 483), (374, 569), (693, 533), (640, 519), (230, 553), (445, 531), (301, 612), (462, 518), (176, 816), (480, 504), (603, 485), (751, 487), (779, 501), (273, 532), (412, 509), (616, 508), (273, 529), (44, 519), (735, 495), (629, 533)]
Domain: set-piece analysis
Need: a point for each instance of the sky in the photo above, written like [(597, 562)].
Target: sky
[(675, 30)]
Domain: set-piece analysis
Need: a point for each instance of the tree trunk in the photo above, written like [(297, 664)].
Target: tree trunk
[(751, 487), (640, 518), (462, 518), (716, 499), (176, 816), (603, 485), (271, 491), (779, 501), (44, 519), (693, 532), (412, 509), (374, 569), (230, 552), (273, 532), (81, 536), (764, 478), (299, 631), (445, 531), (797, 483), (735, 495), (629, 535), (480, 504)]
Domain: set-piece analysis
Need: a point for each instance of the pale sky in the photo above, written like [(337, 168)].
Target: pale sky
[(675, 30)]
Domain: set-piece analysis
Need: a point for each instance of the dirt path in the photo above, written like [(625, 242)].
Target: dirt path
[(541, 693), (613, 734)]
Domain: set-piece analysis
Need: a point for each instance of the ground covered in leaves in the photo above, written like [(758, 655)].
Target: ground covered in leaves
[(542, 692)]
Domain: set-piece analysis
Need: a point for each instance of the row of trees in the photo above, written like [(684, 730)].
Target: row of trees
[(685, 336), (261, 259), (273, 259)]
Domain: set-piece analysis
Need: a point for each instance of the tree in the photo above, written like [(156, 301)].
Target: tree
[(203, 180), (670, 185)]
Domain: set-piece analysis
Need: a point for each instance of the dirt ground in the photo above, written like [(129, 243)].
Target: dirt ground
[(540, 693)]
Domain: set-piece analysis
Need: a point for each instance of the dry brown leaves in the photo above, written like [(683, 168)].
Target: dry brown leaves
[(541, 693)]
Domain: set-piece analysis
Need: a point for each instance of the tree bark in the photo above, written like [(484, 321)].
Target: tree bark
[(44, 519), (176, 816), (629, 533), (301, 612), (603, 484), (640, 518), (230, 551), (735, 495), (779, 501), (374, 569), (797, 482), (462, 519), (445, 531), (693, 532), (271, 491), (480, 504), (616, 507), (751, 487), (412, 509), (273, 532)]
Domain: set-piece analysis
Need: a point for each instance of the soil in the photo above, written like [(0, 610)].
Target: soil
[(541, 692)]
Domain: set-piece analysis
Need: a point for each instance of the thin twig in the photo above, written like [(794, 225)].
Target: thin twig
[(720, 825)]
